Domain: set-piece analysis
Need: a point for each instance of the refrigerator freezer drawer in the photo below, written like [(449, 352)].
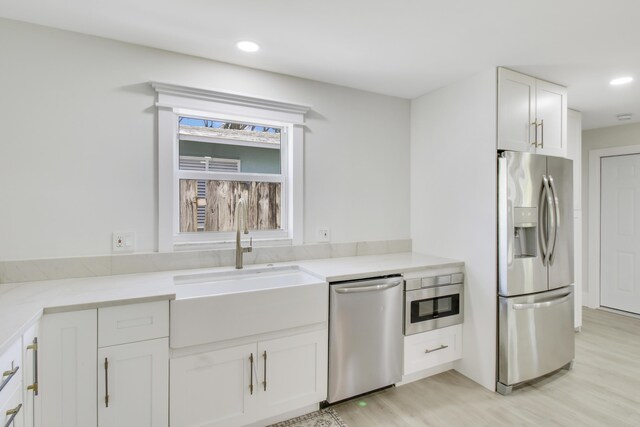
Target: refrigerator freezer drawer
[(536, 335)]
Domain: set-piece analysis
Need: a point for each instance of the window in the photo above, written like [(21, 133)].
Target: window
[(215, 148), (222, 161)]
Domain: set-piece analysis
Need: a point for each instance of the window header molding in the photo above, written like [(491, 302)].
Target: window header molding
[(175, 96)]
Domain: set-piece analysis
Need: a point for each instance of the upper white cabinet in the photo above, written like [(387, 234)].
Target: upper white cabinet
[(532, 114)]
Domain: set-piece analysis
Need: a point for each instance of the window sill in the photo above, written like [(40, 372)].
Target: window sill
[(230, 244)]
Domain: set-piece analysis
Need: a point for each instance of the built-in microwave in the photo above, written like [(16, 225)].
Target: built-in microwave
[(433, 302)]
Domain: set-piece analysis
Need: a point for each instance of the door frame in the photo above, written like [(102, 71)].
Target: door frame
[(595, 158)]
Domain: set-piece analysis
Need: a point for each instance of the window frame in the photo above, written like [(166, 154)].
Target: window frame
[(178, 101)]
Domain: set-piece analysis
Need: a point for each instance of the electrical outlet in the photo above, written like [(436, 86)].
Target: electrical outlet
[(323, 235), (123, 242)]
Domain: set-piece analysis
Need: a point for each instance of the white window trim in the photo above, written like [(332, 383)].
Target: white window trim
[(174, 101)]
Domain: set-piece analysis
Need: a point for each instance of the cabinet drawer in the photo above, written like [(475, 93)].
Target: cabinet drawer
[(11, 365), (130, 323), (12, 409), (433, 348)]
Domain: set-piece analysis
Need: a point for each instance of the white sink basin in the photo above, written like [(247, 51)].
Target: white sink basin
[(236, 281), (217, 306)]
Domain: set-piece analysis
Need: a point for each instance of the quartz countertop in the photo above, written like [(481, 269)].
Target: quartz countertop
[(22, 304)]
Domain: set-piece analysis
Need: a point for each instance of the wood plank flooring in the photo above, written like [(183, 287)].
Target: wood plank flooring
[(603, 389)]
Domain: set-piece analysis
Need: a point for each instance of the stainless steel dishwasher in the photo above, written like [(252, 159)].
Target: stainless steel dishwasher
[(365, 336)]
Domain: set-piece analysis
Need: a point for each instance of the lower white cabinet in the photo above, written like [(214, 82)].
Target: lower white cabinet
[(433, 348), (74, 380), (68, 373), (246, 383), (133, 384)]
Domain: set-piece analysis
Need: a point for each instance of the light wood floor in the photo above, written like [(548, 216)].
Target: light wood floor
[(603, 389)]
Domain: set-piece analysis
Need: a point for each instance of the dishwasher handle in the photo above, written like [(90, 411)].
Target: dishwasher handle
[(368, 287)]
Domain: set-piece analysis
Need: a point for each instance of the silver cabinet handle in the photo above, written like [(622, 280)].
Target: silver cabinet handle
[(369, 288), (106, 382), (34, 347), (541, 133), (544, 304), (442, 347), (251, 375), (7, 375), (535, 138), (556, 222), (264, 383), (12, 413)]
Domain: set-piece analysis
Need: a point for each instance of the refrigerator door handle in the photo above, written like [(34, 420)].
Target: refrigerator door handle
[(543, 232), (534, 305), (556, 222)]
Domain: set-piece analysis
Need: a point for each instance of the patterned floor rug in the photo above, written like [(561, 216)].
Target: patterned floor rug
[(325, 418)]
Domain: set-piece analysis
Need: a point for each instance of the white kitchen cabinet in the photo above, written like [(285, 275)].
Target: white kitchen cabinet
[(216, 388), (246, 383), (73, 379), (30, 396), (293, 372), (430, 349), (574, 152), (12, 409), (68, 348), (532, 114), (133, 384)]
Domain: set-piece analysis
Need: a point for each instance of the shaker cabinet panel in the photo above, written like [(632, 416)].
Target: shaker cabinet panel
[(551, 114), (214, 389), (68, 375), (133, 384), (293, 372), (516, 111)]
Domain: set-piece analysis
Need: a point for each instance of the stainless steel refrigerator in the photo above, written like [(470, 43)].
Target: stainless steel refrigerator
[(535, 267)]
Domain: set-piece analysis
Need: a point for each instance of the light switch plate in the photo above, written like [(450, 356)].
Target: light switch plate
[(323, 235), (123, 242)]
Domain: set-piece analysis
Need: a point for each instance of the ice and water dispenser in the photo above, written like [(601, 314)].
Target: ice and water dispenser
[(525, 224)]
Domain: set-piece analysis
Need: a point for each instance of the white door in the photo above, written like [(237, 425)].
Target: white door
[(516, 111), (293, 372), (133, 384), (620, 233), (68, 348), (551, 118), (214, 389)]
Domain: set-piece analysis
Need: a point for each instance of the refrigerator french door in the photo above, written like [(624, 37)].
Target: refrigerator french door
[(535, 267)]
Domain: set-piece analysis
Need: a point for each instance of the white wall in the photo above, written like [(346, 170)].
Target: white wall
[(78, 156), (594, 139), (453, 202)]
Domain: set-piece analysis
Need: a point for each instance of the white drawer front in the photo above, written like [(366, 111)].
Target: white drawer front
[(131, 323), (433, 348), (9, 361), (12, 409)]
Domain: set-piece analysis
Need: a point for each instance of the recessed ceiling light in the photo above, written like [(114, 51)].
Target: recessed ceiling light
[(248, 46), (625, 116), (621, 81)]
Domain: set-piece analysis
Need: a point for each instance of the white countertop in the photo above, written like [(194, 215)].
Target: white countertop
[(22, 304)]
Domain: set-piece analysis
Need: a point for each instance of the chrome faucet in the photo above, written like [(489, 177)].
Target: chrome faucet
[(241, 215)]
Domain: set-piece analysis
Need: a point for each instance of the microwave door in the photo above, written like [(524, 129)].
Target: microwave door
[(560, 173), (522, 224)]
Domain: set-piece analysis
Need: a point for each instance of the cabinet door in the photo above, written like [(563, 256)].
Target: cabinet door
[(214, 389), (133, 384), (67, 385), (12, 410), (551, 115), (30, 397), (293, 372), (516, 111)]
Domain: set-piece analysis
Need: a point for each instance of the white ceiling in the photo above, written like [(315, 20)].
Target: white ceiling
[(397, 47)]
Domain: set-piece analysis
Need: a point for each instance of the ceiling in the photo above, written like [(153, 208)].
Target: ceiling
[(404, 48)]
